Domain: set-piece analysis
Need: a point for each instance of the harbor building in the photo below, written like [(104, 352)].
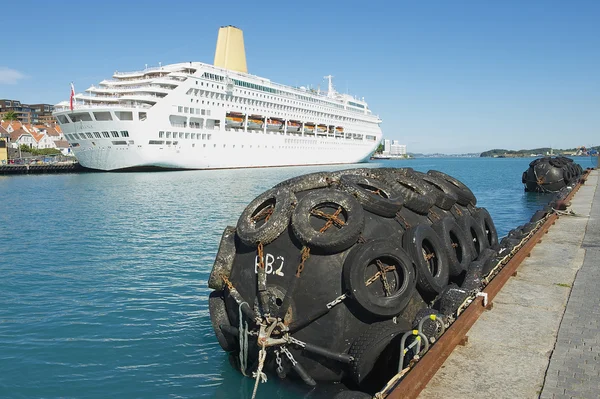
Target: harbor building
[(393, 148)]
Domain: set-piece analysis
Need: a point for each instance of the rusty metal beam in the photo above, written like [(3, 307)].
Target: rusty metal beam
[(417, 379)]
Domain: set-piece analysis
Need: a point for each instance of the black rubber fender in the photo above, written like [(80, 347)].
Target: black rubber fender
[(375, 195), (487, 223), (218, 317), (416, 193), (432, 273), (378, 344), (465, 195), (251, 232), (335, 239), (457, 244), (223, 260), (360, 265)]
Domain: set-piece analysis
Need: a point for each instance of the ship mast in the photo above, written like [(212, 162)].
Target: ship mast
[(330, 90)]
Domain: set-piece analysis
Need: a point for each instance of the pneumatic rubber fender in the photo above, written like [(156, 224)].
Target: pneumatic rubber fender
[(427, 252), (487, 223), (367, 260), (252, 228), (457, 245), (335, 238), (465, 195), (376, 353), (375, 195)]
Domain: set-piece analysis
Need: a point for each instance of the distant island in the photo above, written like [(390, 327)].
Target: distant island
[(538, 152)]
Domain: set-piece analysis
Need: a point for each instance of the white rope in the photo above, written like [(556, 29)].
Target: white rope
[(259, 375)]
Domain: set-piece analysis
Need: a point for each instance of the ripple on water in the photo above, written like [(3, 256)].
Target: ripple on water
[(104, 282)]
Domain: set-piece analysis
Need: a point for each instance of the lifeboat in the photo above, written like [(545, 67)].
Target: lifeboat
[(293, 126), (255, 122), (234, 119), (321, 128), (274, 124), (309, 128), (339, 130)]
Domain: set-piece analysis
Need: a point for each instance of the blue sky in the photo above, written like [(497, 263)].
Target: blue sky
[(445, 76)]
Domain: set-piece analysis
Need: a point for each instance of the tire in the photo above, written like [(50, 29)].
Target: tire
[(432, 273), (417, 195), (474, 232), (567, 175), (250, 232), (458, 247), (372, 345), (224, 259), (443, 195), (360, 265), (334, 239), (218, 317), (465, 195), (375, 195), (488, 226), (307, 182), (352, 395)]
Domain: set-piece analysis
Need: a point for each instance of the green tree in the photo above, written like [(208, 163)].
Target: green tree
[(379, 149), (10, 116)]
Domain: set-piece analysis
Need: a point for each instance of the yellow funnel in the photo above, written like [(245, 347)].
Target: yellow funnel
[(230, 53)]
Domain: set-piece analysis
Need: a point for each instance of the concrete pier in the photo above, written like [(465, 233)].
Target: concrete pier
[(541, 339)]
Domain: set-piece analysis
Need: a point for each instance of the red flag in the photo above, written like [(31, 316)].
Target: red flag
[(72, 95)]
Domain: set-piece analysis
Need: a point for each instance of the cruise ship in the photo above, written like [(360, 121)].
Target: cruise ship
[(195, 115)]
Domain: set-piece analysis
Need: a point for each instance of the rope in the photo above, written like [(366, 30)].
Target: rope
[(243, 338), (260, 376)]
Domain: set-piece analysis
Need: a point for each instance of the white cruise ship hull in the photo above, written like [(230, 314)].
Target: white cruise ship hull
[(224, 149)]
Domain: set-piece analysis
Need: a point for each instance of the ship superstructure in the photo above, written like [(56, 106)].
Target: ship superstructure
[(198, 116)]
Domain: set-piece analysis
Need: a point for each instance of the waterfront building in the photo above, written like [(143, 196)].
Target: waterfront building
[(34, 113), (393, 148)]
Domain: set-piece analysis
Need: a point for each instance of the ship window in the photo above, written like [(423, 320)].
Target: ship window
[(180, 109), (124, 115), (89, 135), (203, 136), (114, 133), (187, 135), (97, 135), (62, 119), (82, 116), (168, 135), (175, 142), (193, 136), (119, 142), (124, 133), (103, 116), (185, 110), (208, 136), (180, 135), (142, 116), (159, 142), (161, 134), (105, 134)]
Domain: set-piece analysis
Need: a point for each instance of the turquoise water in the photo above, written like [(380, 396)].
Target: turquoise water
[(103, 276)]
